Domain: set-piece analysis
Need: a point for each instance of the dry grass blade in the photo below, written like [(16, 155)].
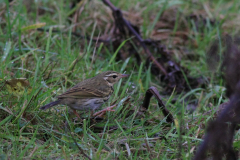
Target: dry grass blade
[(80, 149), (26, 106)]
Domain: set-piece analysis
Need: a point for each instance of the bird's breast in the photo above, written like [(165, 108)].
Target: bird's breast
[(111, 90), (84, 104)]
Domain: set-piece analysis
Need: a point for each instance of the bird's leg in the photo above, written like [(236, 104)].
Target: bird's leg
[(100, 113), (92, 113), (75, 112)]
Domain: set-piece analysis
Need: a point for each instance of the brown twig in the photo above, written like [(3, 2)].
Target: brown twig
[(218, 141), (220, 133), (148, 148), (153, 91), (117, 14)]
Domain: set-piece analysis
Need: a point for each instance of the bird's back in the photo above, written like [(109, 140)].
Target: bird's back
[(85, 89)]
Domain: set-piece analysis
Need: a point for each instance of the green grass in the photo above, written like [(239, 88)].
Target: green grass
[(53, 62)]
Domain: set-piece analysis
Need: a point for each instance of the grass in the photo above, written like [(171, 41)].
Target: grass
[(53, 62)]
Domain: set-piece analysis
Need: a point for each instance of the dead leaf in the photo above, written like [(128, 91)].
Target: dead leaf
[(18, 86)]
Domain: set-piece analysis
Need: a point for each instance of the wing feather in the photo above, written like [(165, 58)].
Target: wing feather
[(81, 92)]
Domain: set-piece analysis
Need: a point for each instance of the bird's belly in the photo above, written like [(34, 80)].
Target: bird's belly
[(85, 104)]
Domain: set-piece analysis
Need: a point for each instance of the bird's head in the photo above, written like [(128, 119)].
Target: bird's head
[(112, 77)]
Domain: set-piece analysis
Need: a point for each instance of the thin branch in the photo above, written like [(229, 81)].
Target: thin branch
[(117, 12), (152, 91)]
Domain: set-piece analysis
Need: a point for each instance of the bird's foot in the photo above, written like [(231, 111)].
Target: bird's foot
[(102, 112)]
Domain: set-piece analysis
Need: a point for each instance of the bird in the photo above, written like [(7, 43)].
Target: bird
[(89, 94)]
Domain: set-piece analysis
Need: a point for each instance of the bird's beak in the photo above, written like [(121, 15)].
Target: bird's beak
[(124, 75)]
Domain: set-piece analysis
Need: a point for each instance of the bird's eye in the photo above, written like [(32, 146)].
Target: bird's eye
[(114, 76)]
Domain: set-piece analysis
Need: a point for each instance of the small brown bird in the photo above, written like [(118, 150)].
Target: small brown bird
[(89, 94)]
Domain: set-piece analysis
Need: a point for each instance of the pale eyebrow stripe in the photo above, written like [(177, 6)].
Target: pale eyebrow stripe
[(111, 74)]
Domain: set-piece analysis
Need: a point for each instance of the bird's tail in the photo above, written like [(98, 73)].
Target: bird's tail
[(49, 105)]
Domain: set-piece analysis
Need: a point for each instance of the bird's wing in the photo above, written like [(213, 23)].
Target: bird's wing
[(81, 92)]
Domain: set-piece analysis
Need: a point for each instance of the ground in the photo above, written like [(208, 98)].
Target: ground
[(78, 40)]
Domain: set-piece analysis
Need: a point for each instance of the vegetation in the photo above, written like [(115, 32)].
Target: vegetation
[(55, 58)]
